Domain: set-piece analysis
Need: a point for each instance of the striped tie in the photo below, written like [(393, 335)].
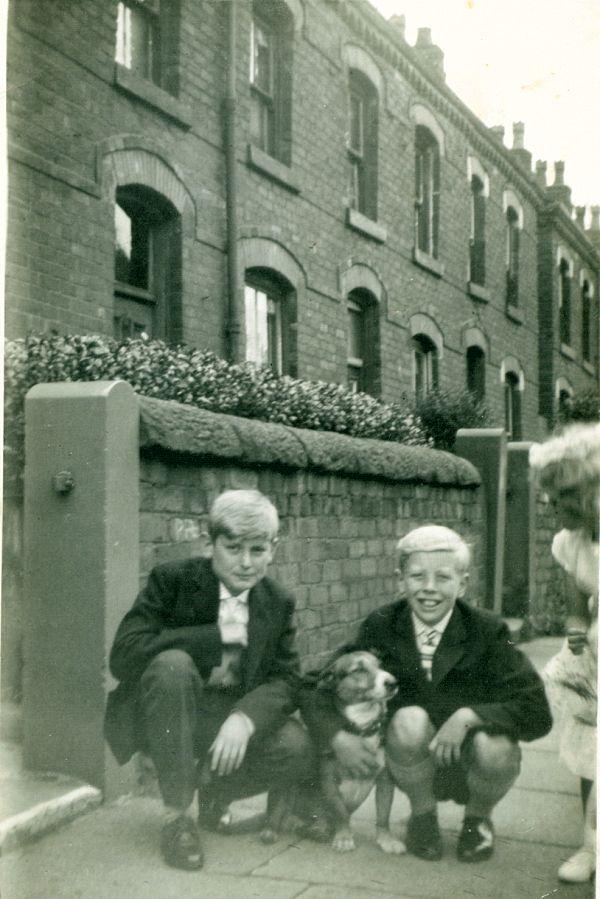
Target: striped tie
[(427, 650)]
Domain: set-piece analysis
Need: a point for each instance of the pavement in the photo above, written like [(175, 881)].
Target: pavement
[(112, 851)]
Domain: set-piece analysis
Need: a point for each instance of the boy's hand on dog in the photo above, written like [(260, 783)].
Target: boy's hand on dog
[(358, 759), (229, 747), (446, 744)]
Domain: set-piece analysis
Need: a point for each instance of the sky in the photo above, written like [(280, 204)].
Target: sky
[(534, 61)]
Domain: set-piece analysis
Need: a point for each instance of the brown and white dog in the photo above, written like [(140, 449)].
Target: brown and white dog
[(360, 691)]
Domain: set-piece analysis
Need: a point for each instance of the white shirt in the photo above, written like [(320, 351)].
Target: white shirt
[(428, 637), (233, 616)]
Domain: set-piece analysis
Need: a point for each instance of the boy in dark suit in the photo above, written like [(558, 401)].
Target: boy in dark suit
[(466, 696), (207, 669)]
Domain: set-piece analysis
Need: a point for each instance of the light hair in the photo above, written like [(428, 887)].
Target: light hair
[(243, 513), (434, 538), (569, 459)]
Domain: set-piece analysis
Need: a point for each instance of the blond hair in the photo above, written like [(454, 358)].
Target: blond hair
[(243, 513), (434, 538), (569, 459)]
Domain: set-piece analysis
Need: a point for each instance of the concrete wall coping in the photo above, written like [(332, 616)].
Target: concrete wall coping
[(186, 429)]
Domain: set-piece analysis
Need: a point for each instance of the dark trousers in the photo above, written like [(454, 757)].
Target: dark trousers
[(181, 718)]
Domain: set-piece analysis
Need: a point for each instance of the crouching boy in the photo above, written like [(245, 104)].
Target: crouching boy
[(466, 696), (207, 673)]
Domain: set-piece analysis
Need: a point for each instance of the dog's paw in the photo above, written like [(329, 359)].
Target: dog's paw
[(343, 842), (268, 836), (390, 844)]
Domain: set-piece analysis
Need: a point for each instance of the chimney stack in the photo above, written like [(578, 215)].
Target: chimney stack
[(399, 23), (540, 172), (559, 190), (429, 54), (522, 155), (593, 232), (580, 216)]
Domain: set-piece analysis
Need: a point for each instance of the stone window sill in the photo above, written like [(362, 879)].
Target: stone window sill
[(365, 225), (591, 370), (567, 351), (429, 263), (478, 292), (272, 168), (515, 314), (152, 95)]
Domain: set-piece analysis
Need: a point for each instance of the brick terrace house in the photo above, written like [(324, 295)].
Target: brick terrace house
[(289, 182)]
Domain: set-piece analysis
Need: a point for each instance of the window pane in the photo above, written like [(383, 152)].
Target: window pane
[(262, 58), (355, 333), (122, 245), (274, 335), (135, 39), (356, 124)]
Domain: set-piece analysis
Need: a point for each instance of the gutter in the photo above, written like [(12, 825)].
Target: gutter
[(232, 325)]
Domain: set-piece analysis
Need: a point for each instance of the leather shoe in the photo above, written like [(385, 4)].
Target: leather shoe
[(476, 840), (423, 837), (180, 844)]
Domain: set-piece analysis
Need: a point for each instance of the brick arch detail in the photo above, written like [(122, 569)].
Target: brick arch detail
[(360, 276), (509, 198), (563, 383), (357, 58), (419, 323), (120, 162), (474, 336), (421, 115), (261, 252), (512, 365)]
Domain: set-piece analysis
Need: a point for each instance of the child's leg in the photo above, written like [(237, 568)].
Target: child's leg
[(408, 757), (493, 764), (580, 866)]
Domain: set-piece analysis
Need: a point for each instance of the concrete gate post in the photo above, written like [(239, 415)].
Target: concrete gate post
[(485, 448), (81, 537), (520, 523)]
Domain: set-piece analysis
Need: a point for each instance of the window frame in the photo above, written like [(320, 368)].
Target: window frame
[(586, 321), (427, 191), (512, 407), (476, 371), (363, 158), (277, 327), (564, 302), (148, 12), (425, 361), (478, 231), (513, 251), (157, 301), (265, 100)]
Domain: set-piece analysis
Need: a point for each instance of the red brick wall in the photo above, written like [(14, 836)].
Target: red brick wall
[(63, 108), (338, 535)]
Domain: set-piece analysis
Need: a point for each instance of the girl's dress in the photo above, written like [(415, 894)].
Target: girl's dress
[(572, 679)]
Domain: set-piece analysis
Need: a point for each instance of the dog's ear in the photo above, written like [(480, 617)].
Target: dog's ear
[(327, 678)]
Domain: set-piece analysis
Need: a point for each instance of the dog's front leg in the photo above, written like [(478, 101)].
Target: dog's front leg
[(340, 816), (384, 795)]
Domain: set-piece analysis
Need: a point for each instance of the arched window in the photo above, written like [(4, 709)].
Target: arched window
[(363, 343), (426, 365), (362, 144), (512, 406), (512, 256), (476, 372), (270, 321), (586, 321), (477, 242), (427, 191), (271, 79), (564, 302), (147, 265)]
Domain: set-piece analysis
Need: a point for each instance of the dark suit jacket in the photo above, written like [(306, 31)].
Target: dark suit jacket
[(178, 609), (475, 665)]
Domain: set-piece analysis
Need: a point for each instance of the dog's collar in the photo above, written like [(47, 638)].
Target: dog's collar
[(369, 730)]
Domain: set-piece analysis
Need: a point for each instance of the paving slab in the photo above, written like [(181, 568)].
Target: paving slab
[(515, 871)]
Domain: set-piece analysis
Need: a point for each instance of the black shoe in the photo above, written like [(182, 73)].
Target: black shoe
[(423, 837), (180, 844), (476, 840)]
